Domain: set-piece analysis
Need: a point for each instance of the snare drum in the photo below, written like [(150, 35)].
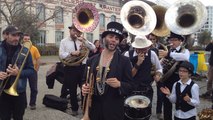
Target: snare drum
[(137, 107)]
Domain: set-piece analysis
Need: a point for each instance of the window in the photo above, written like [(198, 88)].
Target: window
[(59, 15), (113, 18), (40, 11), (102, 20), (90, 37), (42, 38), (59, 35)]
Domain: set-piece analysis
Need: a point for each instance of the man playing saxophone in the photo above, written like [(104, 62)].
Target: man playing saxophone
[(112, 76), (10, 69), (69, 49)]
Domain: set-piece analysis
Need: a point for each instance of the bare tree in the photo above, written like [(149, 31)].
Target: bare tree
[(25, 14)]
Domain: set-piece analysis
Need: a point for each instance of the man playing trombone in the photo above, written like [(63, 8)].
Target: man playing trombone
[(13, 69)]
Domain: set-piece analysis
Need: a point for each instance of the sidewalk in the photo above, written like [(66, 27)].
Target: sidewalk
[(44, 113)]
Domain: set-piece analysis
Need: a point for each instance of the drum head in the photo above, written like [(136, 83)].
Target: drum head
[(137, 101)]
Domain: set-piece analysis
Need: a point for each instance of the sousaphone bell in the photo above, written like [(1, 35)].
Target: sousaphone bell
[(186, 16), (85, 17), (138, 17), (161, 30)]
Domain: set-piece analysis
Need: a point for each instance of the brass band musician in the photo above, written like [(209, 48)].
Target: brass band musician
[(112, 76), (13, 106), (70, 48), (142, 58)]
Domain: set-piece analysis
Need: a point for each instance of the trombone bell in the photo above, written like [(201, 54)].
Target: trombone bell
[(12, 90)]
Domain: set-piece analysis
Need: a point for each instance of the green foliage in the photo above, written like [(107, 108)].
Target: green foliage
[(204, 38), (48, 50)]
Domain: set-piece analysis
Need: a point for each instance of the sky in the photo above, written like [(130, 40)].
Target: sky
[(205, 2)]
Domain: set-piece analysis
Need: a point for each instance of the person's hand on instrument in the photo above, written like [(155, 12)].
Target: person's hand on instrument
[(12, 70), (85, 89)]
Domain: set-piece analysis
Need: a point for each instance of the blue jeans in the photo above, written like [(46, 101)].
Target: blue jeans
[(33, 82)]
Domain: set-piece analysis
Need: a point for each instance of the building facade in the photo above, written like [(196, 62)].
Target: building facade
[(56, 29), (209, 23)]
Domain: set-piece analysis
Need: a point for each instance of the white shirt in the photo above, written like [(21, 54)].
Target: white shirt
[(154, 59), (194, 101), (182, 56), (67, 46)]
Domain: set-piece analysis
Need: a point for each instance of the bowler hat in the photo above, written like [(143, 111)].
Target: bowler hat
[(173, 35), (114, 28), (189, 66), (141, 42)]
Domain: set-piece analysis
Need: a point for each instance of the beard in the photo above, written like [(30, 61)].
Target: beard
[(109, 46)]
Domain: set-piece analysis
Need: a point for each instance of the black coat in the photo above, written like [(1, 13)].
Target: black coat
[(209, 47), (110, 105)]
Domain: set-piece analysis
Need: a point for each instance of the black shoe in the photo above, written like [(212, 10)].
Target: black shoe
[(32, 107)]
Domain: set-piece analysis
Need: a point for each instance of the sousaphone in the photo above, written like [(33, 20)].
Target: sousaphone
[(185, 17), (138, 17), (85, 17), (161, 30)]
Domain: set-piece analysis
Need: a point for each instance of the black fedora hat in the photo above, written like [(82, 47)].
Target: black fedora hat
[(173, 35), (114, 28)]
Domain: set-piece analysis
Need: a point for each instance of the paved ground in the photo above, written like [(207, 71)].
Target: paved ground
[(44, 113)]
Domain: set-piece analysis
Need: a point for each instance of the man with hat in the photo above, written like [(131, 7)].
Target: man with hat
[(112, 77), (143, 59), (13, 106), (176, 53), (185, 93), (70, 48)]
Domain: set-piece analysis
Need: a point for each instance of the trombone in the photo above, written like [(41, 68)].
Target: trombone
[(22, 56)]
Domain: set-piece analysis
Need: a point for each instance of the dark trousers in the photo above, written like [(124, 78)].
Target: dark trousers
[(191, 118), (167, 109), (159, 101), (64, 92), (12, 106), (72, 78), (33, 83)]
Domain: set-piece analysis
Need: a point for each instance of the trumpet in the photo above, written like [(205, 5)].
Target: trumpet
[(87, 102)]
